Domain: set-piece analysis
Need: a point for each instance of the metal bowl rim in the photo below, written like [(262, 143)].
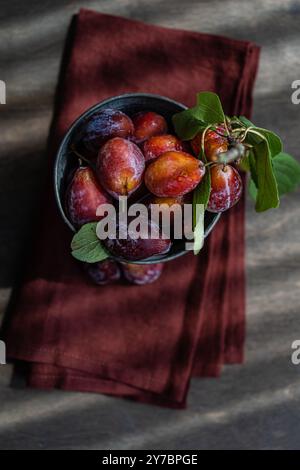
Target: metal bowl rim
[(64, 143)]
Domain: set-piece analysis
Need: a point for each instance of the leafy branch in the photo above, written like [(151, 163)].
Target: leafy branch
[(272, 172)]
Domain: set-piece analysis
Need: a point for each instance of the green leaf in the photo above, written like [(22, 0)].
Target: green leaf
[(202, 191), (86, 246), (209, 108), (246, 121), (252, 166), (274, 141), (200, 197), (244, 163), (267, 191), (186, 125), (252, 189), (287, 173), (275, 144)]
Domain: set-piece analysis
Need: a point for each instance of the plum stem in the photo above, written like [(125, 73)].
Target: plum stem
[(82, 158), (234, 153), (220, 134)]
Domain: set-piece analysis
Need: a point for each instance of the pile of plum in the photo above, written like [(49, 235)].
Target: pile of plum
[(138, 157)]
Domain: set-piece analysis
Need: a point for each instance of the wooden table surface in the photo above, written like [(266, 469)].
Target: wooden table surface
[(256, 405)]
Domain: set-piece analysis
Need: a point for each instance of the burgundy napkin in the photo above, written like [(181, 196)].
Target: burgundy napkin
[(143, 342)]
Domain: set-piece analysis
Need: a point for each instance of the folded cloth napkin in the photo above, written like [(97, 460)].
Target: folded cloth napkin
[(143, 342)]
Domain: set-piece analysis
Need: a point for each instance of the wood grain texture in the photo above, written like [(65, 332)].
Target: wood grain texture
[(253, 406)]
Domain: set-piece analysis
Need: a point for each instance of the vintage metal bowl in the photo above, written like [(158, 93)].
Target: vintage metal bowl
[(130, 104)]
